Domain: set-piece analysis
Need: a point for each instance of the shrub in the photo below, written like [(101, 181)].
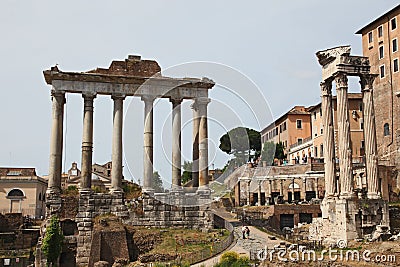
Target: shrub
[(52, 241)]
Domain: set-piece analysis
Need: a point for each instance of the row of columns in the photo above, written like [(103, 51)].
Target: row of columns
[(303, 191), (200, 142), (346, 189)]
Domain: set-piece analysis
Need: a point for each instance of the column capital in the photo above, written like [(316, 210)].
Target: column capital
[(176, 100), (57, 93), (366, 81), (326, 88), (118, 96), (201, 101), (89, 95), (148, 98), (341, 80)]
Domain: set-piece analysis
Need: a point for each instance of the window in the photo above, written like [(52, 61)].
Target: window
[(394, 45), (382, 71), (320, 112), (315, 115), (322, 130), (15, 193), (360, 107), (386, 130), (396, 65), (393, 23), (280, 128), (315, 151), (370, 39), (298, 124), (299, 141), (361, 124), (380, 31), (381, 54), (321, 150), (284, 126), (362, 144)]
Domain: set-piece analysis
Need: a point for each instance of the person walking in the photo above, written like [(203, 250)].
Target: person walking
[(247, 230), (244, 232)]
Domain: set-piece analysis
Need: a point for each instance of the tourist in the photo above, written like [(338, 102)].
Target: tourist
[(247, 230), (244, 232)]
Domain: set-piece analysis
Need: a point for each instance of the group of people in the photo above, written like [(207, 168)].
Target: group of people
[(245, 232)]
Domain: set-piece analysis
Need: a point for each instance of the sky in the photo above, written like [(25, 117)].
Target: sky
[(261, 54)]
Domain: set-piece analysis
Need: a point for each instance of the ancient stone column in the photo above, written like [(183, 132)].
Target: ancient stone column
[(316, 188), (176, 143), (281, 187), (293, 190), (87, 142), (259, 193), (304, 189), (116, 171), (371, 158), (203, 141), (248, 192), (329, 139), (195, 155), (56, 143), (344, 140), (270, 189), (148, 144)]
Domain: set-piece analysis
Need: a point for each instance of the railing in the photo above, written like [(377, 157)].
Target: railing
[(216, 247), (305, 140)]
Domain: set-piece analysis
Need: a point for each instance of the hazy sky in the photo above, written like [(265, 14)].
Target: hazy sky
[(270, 43)]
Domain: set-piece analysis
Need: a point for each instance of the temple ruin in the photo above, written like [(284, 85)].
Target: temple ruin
[(346, 215), (132, 77)]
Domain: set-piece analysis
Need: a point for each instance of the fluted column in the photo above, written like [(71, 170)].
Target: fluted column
[(281, 187), (56, 142), (316, 188), (148, 144), (371, 159), (203, 141), (329, 138), (344, 140), (116, 171), (87, 142), (176, 143), (195, 155)]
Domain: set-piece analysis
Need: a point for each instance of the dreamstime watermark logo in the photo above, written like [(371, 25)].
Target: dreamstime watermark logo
[(171, 111), (297, 253)]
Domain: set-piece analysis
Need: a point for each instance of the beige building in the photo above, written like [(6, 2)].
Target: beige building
[(291, 128), (22, 191), (356, 128), (380, 42)]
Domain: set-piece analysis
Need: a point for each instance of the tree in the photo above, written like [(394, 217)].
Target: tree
[(271, 150), (187, 172), (243, 143), (52, 241), (232, 259), (268, 153), (157, 183), (280, 151)]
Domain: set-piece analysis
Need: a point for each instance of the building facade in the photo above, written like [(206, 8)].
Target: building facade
[(291, 128), (22, 191), (380, 42)]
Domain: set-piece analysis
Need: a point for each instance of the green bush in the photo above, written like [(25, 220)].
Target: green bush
[(232, 259), (52, 241)]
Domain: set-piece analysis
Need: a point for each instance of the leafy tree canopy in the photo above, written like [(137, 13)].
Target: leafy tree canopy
[(187, 172), (157, 183), (243, 143)]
